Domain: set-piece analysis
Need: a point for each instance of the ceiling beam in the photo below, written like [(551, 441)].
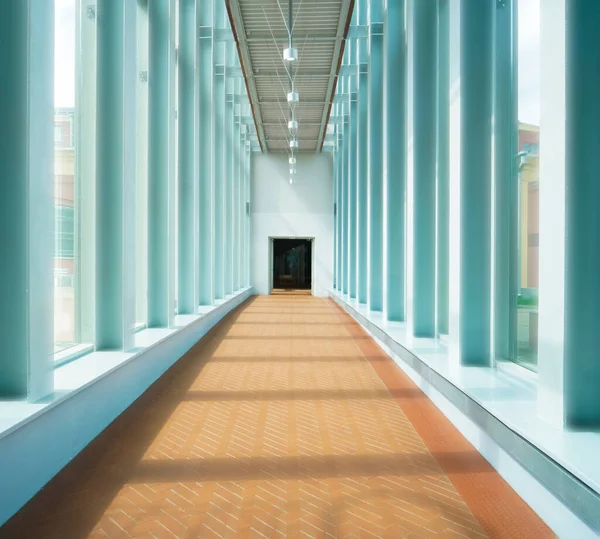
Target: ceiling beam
[(354, 32), (285, 139), (342, 31), (237, 26), (235, 71), (302, 124), (339, 98), (277, 75), (256, 45), (267, 38)]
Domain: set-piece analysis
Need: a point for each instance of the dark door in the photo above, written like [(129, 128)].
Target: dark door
[(292, 264)]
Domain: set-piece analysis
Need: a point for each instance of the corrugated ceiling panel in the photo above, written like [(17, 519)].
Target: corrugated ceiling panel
[(315, 31)]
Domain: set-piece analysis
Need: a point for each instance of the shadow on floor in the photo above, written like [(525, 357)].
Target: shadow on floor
[(73, 503), (82, 491), (300, 394), (305, 467)]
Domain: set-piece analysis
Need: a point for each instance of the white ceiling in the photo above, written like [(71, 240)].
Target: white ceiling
[(319, 31)]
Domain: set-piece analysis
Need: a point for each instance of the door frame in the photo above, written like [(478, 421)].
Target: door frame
[(311, 239)]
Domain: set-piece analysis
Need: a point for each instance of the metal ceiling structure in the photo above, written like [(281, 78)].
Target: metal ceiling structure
[(319, 31)]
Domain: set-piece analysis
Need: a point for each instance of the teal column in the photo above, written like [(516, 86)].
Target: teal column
[(85, 184), (338, 212), (338, 220), (159, 117), (362, 207), (506, 185), (582, 232), (243, 246), (218, 143), (476, 71), (375, 157), (335, 216), (248, 221), (424, 148), (352, 170), (345, 184), (228, 184), (241, 211), (204, 148), (109, 176), (395, 67), (131, 160), (235, 192), (241, 138), (443, 170), (362, 152), (241, 197), (186, 295), (342, 173), (26, 206), (244, 210), (229, 164), (339, 175)]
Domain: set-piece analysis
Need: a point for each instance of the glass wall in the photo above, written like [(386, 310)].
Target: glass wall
[(74, 173), (65, 158), (528, 107), (98, 293)]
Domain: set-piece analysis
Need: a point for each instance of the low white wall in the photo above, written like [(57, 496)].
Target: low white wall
[(36, 451), (301, 210)]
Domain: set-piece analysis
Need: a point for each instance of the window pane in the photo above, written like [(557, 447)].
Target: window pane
[(64, 175), (528, 178)]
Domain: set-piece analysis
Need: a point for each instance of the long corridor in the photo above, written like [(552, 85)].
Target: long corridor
[(287, 420)]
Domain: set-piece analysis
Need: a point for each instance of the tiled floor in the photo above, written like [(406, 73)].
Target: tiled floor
[(287, 420)]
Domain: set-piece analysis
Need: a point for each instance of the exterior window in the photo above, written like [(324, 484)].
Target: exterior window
[(528, 104), (65, 177)]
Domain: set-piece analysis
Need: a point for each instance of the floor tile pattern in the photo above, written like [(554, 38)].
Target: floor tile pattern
[(277, 424)]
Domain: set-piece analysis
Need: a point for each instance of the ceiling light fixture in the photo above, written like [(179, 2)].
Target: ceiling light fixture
[(293, 127), (292, 160), (293, 97), (293, 143), (290, 54)]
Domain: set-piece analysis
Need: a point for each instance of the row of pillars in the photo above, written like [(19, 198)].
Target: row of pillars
[(425, 182), (202, 180)]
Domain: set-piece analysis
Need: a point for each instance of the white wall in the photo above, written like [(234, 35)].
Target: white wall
[(302, 210), (454, 184)]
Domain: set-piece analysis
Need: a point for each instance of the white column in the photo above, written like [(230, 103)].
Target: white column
[(552, 212)]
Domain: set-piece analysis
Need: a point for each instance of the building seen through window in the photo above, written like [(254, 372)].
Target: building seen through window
[(65, 177), (528, 108)]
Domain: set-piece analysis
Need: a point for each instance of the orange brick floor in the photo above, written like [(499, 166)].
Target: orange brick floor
[(286, 420)]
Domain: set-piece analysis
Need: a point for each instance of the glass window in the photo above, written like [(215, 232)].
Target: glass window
[(528, 105), (74, 173), (64, 175)]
